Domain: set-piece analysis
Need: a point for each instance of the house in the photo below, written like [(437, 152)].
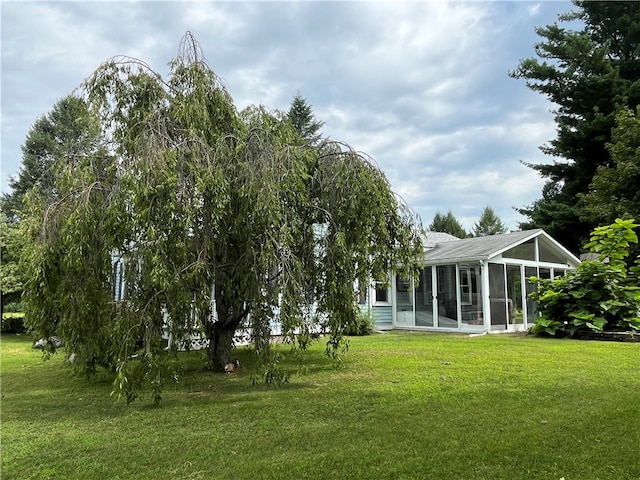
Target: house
[(471, 285)]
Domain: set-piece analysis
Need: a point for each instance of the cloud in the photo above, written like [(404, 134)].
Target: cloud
[(420, 86)]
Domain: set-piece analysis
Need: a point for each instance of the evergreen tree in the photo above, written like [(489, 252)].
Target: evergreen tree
[(11, 275), (447, 224), (488, 224), (615, 191), (590, 74), (304, 121), (69, 130)]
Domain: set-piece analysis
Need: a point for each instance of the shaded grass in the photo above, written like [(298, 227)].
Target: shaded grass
[(406, 406)]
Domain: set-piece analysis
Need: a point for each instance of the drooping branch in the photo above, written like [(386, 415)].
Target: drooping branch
[(211, 207)]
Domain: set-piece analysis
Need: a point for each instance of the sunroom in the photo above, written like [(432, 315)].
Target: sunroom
[(472, 285)]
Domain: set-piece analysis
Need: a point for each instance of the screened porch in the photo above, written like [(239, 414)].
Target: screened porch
[(473, 285)]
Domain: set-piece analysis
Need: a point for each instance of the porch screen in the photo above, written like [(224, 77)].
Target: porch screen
[(404, 302), (471, 294), (424, 299), (514, 294), (447, 296), (532, 306), (497, 296)]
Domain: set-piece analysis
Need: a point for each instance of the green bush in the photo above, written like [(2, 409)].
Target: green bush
[(14, 307), (599, 296), (12, 323), (363, 324)]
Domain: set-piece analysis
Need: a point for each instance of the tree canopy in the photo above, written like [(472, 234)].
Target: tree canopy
[(448, 224), (223, 221), (589, 74), (615, 189), (488, 224), (614, 192), (11, 275), (68, 131)]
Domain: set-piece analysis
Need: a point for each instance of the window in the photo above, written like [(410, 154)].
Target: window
[(524, 251), (381, 293), (548, 254), (559, 272), (361, 289), (117, 274)]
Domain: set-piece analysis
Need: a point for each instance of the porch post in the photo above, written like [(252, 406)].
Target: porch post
[(486, 303)]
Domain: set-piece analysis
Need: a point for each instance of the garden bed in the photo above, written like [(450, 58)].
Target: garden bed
[(610, 336)]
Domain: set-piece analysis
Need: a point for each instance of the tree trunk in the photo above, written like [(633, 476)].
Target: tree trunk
[(220, 344)]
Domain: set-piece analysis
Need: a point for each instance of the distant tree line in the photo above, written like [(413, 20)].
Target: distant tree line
[(488, 224)]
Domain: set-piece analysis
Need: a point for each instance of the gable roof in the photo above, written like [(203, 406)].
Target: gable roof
[(486, 248)]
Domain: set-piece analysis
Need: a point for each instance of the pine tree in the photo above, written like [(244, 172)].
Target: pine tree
[(68, 130), (304, 121), (589, 74), (615, 191), (447, 224), (488, 224)]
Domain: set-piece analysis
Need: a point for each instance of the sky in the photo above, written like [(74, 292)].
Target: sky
[(421, 87)]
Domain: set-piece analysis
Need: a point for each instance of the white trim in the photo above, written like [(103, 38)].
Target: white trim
[(373, 293), (486, 301)]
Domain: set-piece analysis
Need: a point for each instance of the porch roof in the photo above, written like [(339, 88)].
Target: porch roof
[(485, 248)]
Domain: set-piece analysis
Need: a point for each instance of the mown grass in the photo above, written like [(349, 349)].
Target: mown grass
[(407, 406)]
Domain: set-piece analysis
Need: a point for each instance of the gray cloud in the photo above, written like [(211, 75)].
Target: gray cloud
[(420, 86)]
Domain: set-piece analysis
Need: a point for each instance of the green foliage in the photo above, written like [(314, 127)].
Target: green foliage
[(14, 307), (590, 74), (68, 130), (488, 224), (219, 217), (363, 324), (447, 224), (11, 245), (601, 295), (13, 323), (614, 191)]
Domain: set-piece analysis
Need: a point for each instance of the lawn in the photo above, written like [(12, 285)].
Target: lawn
[(406, 406)]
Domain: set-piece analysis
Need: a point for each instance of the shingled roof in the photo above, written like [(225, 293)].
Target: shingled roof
[(434, 238), (485, 248)]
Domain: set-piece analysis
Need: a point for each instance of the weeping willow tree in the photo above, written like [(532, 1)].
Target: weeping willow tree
[(222, 219)]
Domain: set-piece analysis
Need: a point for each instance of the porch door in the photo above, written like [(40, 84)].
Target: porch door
[(405, 315), (498, 296), (424, 299), (515, 309), (532, 305), (447, 304)]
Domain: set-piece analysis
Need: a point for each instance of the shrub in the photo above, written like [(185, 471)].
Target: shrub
[(598, 296), (14, 307), (12, 323), (363, 324)]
